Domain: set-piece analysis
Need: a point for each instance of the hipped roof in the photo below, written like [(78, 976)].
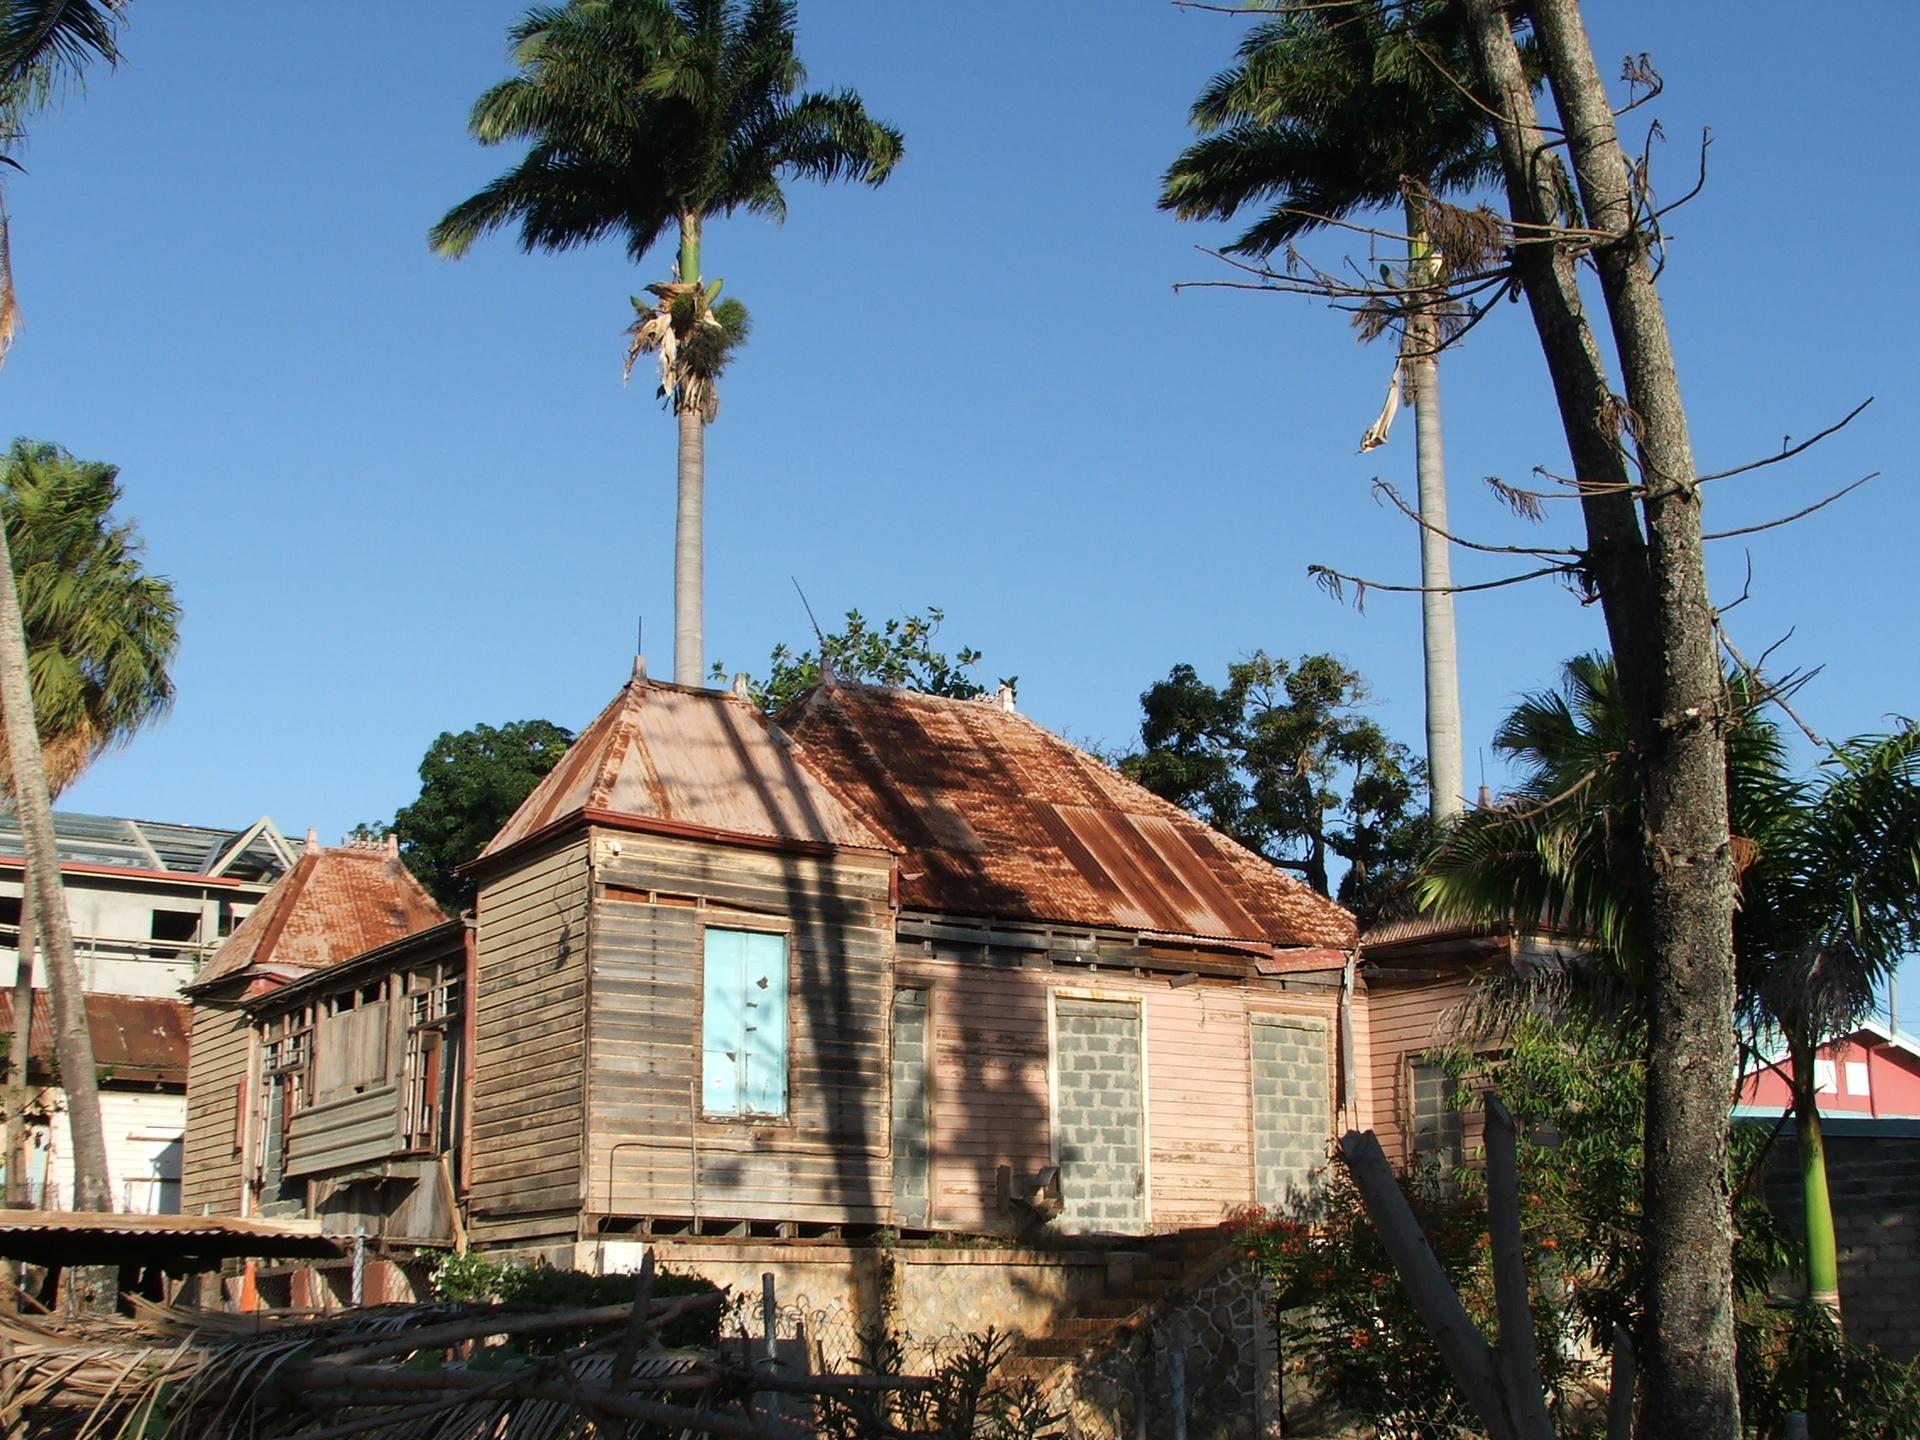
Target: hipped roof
[(988, 814), (995, 816), (333, 904), (701, 759)]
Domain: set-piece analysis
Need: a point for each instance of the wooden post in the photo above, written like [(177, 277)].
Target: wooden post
[(1516, 1355), (642, 1304), (1620, 1387), (770, 1327)]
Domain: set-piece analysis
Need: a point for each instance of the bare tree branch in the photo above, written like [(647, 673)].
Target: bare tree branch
[(1796, 515)]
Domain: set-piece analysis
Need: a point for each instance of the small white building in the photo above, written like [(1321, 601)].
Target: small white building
[(148, 903)]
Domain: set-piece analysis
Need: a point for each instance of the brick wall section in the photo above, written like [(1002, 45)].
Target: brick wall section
[(1292, 1115), (1875, 1184), (1100, 1118), (910, 1107)]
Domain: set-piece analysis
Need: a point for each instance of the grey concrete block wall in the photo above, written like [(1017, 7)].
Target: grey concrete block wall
[(1101, 1118), (1292, 1117), (1874, 1181), (910, 1117)]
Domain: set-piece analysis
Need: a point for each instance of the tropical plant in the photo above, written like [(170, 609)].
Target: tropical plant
[(1333, 112), (100, 630), (1828, 874), (1282, 759), (45, 45), (644, 116)]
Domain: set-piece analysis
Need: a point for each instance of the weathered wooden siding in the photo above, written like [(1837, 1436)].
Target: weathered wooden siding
[(530, 1043), (219, 1058), (989, 1060), (650, 1151), (1407, 1018)]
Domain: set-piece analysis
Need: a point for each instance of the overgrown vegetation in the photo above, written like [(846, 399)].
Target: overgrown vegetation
[(897, 652), (962, 1401), (1577, 1099), (481, 1277)]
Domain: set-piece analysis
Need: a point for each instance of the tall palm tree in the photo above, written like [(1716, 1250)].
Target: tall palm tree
[(45, 45), (1338, 111), (1829, 877), (650, 116)]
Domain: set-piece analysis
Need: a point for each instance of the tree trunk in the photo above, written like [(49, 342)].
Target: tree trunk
[(1816, 1204), (1446, 777), (689, 660), (73, 1044), (19, 1042), (1672, 689)]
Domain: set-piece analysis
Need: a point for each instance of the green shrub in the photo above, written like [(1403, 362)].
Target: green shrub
[(480, 1278)]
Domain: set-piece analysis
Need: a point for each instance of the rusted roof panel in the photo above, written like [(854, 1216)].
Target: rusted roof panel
[(142, 1037), (701, 758), (999, 818), (334, 904), (45, 1237)]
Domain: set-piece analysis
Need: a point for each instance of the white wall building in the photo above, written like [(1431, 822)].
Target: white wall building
[(148, 903)]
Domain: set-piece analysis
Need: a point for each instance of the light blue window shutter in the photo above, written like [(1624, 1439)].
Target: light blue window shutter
[(724, 1024), (763, 1082)]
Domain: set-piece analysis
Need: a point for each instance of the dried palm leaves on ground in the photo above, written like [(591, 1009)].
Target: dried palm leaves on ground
[(451, 1372)]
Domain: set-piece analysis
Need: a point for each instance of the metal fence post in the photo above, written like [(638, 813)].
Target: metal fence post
[(359, 1264)]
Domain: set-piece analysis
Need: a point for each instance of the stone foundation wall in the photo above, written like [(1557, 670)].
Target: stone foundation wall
[(1874, 1180), (1210, 1347)]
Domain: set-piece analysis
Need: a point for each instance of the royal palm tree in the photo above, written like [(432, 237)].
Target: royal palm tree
[(45, 45), (1334, 112), (1829, 879), (649, 117)]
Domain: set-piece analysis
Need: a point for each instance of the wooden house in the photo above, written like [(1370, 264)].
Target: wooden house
[(325, 1044), (889, 961)]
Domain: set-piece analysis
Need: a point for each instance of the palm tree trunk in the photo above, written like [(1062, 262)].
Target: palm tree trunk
[(1823, 1250), (73, 1044), (18, 1044), (1446, 779), (689, 661)]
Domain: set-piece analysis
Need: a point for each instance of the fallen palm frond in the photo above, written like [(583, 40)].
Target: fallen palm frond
[(407, 1372)]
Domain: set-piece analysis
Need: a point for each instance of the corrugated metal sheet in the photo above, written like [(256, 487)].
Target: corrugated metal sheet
[(65, 1238), (143, 1038), (333, 904), (998, 818), (356, 1130), (151, 845), (701, 758)]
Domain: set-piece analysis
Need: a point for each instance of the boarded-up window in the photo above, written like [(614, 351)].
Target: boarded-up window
[(350, 1052), (1292, 1115), (744, 1026)]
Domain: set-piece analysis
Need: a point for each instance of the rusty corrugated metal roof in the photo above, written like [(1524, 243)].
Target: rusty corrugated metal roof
[(142, 1037), (82, 1237), (701, 758), (999, 818), (333, 905)]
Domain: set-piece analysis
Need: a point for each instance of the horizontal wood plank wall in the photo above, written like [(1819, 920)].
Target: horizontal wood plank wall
[(218, 1058), (988, 1058), (830, 1159), (529, 1040), (1405, 1019)]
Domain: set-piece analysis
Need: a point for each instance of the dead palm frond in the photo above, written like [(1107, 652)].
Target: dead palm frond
[(695, 338)]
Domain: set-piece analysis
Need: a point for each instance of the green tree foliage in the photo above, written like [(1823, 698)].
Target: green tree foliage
[(898, 652), (648, 117), (1577, 1097), (1828, 875), (473, 1277), (101, 631), (470, 785), (1282, 759)]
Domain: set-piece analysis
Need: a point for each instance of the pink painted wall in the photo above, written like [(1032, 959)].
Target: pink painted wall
[(1870, 1078)]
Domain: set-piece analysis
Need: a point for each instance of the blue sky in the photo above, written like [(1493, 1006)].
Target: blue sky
[(400, 496)]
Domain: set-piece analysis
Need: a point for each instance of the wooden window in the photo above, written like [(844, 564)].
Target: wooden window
[(433, 1058), (287, 1070), (744, 1025)]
